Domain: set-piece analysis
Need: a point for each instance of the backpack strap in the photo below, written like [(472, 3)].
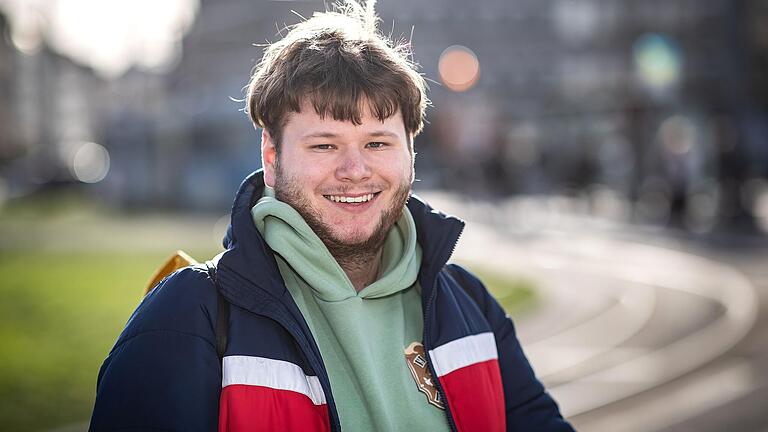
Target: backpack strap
[(222, 319), (178, 260)]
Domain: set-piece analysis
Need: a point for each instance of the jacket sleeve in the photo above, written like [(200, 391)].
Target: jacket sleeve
[(164, 373), (529, 407)]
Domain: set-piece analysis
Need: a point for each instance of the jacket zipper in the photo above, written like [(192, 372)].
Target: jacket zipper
[(316, 364), (314, 359), (438, 384), (451, 422)]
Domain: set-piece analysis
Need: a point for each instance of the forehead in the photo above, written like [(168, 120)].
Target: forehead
[(308, 122)]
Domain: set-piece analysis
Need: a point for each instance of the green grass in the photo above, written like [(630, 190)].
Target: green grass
[(59, 316), (61, 312), (516, 295)]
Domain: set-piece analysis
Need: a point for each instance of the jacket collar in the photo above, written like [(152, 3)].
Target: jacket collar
[(249, 258)]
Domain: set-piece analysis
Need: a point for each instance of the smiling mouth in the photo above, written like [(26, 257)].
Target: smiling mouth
[(351, 199)]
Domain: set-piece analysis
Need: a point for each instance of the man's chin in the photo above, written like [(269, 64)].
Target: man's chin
[(351, 239)]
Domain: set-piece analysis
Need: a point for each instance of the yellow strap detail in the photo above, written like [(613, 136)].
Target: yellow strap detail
[(176, 261)]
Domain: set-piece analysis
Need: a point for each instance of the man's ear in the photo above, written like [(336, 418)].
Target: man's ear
[(268, 158)]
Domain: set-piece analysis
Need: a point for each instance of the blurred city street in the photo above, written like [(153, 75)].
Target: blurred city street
[(611, 159), (639, 331)]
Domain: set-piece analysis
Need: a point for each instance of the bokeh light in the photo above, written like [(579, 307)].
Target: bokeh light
[(657, 61), (459, 68), (90, 163), (678, 135)]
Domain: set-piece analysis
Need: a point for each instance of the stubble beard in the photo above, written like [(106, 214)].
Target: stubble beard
[(351, 255)]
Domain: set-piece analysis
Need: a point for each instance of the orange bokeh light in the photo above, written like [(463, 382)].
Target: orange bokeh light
[(459, 68)]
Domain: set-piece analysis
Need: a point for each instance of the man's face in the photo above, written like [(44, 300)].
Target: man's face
[(349, 182)]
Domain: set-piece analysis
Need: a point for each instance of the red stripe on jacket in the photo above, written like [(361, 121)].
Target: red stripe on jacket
[(263, 394), (255, 408), (475, 396), (468, 370)]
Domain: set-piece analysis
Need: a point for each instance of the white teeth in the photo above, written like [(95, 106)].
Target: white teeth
[(345, 199)]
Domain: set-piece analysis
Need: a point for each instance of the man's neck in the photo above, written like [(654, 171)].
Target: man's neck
[(361, 269)]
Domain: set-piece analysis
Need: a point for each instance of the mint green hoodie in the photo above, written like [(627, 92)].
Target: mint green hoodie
[(362, 336)]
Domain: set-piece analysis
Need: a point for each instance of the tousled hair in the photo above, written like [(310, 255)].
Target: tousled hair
[(337, 61)]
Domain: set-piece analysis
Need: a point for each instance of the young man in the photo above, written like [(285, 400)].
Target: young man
[(343, 314)]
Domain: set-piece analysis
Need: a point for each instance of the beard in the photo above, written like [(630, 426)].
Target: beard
[(349, 253)]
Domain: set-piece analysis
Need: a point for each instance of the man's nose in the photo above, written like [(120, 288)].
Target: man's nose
[(353, 167)]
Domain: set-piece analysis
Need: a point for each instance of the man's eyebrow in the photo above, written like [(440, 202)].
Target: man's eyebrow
[(321, 134), (383, 133)]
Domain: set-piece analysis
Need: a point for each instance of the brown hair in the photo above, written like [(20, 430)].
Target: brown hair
[(336, 60)]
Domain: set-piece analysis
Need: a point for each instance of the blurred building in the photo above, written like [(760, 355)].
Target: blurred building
[(49, 105), (661, 104), (6, 76)]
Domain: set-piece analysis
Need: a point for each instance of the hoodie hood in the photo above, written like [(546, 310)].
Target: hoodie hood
[(247, 282), (289, 235)]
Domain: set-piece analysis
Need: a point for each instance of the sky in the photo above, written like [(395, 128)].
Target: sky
[(109, 35)]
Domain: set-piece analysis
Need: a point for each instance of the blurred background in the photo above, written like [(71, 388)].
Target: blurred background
[(616, 151)]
